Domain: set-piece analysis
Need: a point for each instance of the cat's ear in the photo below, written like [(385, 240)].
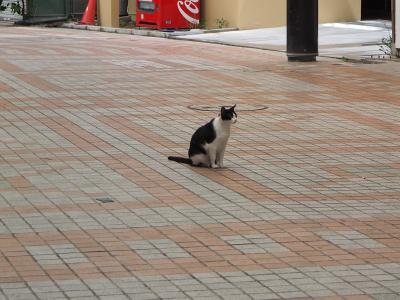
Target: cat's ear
[(223, 109), (232, 109)]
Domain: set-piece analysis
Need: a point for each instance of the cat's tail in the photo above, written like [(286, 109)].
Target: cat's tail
[(181, 160)]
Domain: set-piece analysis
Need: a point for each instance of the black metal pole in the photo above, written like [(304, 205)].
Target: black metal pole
[(302, 30)]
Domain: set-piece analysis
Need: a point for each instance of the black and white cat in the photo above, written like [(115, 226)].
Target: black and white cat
[(208, 143)]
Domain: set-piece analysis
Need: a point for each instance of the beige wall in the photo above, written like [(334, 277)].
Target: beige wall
[(339, 10), (216, 9), (247, 14), (109, 13), (261, 13)]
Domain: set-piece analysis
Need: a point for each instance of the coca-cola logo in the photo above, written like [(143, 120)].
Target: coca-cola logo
[(190, 10)]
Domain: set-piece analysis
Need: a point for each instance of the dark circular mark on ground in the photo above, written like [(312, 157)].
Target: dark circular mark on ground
[(239, 107)]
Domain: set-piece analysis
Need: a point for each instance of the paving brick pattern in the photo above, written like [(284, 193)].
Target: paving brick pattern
[(90, 208), (350, 239), (155, 249), (56, 254), (255, 243)]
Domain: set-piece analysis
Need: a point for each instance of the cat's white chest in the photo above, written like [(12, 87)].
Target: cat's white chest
[(218, 144), (222, 135), (222, 138)]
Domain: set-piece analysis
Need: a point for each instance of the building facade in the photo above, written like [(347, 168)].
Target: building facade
[(248, 14)]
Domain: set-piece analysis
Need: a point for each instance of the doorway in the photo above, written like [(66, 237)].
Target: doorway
[(376, 9)]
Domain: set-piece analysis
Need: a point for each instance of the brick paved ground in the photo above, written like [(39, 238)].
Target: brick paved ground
[(308, 205)]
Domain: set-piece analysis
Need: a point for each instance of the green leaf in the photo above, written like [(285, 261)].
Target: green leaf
[(16, 8), (2, 7)]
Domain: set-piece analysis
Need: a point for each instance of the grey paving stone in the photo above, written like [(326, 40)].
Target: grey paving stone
[(267, 277), (386, 296), (81, 293), (289, 295), (170, 294), (114, 297), (16, 291), (236, 297), (383, 277), (192, 287), (274, 283), (266, 296), (376, 290), (200, 294), (144, 296), (50, 295), (227, 292), (348, 292), (319, 293), (311, 287), (284, 288), (22, 297), (165, 288), (107, 292)]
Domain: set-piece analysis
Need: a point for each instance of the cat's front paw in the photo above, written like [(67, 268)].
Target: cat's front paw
[(214, 166), (220, 165)]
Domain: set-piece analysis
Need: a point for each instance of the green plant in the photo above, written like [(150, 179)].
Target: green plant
[(2, 7), (193, 26), (202, 24), (386, 46), (221, 22), (16, 6), (123, 23)]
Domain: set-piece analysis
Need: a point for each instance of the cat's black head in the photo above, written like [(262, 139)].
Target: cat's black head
[(228, 114)]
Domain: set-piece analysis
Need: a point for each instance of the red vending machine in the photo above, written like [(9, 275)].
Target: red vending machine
[(168, 14)]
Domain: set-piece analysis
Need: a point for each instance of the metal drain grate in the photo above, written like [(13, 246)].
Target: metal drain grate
[(105, 200), (239, 107)]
